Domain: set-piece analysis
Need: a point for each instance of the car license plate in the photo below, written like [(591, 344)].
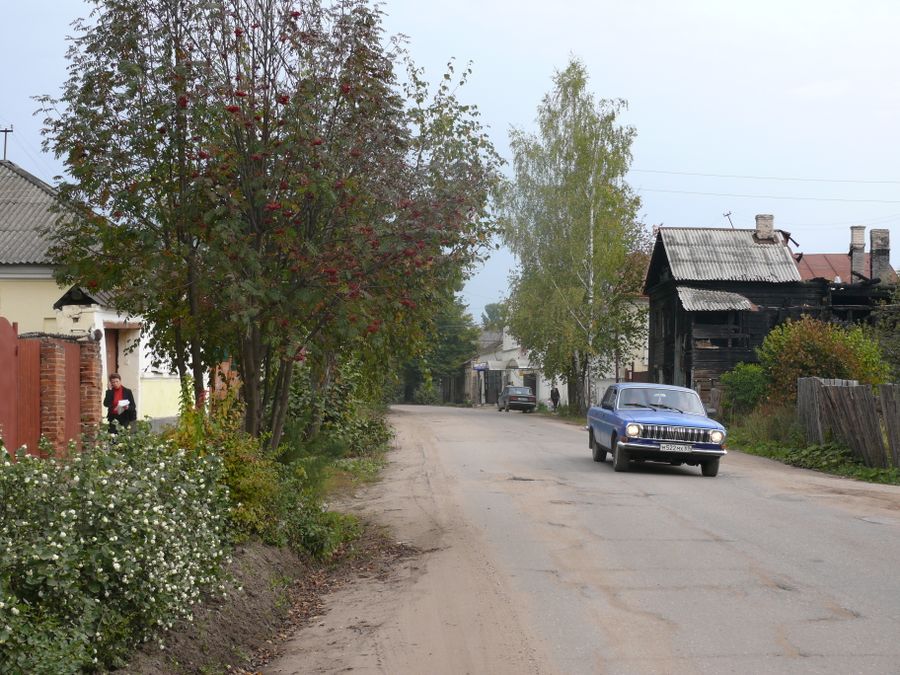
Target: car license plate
[(674, 447)]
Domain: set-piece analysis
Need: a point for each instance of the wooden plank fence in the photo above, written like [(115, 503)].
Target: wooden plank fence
[(890, 409), (809, 405), (853, 415)]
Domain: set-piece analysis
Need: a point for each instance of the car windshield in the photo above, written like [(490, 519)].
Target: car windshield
[(519, 391), (661, 399)]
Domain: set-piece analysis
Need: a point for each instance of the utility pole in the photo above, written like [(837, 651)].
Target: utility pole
[(6, 133), (727, 214)]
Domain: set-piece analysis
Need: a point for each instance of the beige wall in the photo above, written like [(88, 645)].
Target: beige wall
[(29, 302), (159, 397)]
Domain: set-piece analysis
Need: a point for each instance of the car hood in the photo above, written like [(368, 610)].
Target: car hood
[(669, 417)]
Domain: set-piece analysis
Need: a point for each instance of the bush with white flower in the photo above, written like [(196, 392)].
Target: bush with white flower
[(104, 549)]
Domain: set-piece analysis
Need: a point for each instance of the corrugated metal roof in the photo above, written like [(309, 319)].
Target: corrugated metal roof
[(706, 300), (713, 254), (25, 208)]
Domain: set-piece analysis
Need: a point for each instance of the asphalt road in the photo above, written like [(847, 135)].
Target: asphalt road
[(541, 560)]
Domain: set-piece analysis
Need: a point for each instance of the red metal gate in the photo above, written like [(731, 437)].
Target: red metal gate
[(9, 381), (29, 399)]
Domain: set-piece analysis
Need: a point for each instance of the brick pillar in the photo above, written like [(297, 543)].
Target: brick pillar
[(91, 387), (53, 392)]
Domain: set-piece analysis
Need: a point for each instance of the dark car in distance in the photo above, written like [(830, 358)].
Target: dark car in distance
[(657, 423), (516, 398)]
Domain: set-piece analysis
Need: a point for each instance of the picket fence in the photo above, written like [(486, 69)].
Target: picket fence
[(864, 418)]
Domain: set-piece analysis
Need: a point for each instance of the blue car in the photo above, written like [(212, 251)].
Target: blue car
[(657, 423)]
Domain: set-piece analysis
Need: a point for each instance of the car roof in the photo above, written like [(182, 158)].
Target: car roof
[(651, 385)]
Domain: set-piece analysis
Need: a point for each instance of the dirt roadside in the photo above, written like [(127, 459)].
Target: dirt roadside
[(446, 610), (414, 594)]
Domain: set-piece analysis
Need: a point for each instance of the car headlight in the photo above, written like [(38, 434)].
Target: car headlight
[(632, 429), (716, 436)]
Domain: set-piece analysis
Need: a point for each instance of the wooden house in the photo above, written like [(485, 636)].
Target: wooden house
[(714, 296)]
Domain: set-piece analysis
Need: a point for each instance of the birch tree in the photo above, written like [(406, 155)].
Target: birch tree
[(571, 218)]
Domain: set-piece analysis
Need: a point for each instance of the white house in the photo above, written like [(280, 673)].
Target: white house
[(29, 295)]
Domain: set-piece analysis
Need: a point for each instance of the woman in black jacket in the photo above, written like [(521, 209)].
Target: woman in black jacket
[(120, 403)]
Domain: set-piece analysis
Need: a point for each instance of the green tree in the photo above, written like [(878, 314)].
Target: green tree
[(572, 220), (253, 179), (494, 316), (812, 348), (452, 341)]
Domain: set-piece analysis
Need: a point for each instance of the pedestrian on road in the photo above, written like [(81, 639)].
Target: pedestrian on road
[(554, 397), (120, 403)]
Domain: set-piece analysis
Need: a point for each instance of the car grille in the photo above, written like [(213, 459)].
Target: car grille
[(664, 432)]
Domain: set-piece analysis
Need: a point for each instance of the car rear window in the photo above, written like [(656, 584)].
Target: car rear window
[(520, 391)]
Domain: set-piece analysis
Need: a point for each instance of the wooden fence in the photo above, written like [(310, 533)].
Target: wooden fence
[(864, 418)]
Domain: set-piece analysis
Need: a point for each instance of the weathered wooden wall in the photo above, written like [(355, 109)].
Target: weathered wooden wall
[(684, 351), (852, 414)]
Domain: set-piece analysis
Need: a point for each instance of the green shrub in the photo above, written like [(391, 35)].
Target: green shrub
[(276, 497), (887, 332), (768, 423), (252, 477), (745, 387), (104, 550), (426, 394), (810, 348)]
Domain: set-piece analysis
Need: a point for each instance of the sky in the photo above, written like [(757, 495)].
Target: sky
[(785, 107)]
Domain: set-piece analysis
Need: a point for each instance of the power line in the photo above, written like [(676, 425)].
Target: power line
[(806, 199), (784, 178)]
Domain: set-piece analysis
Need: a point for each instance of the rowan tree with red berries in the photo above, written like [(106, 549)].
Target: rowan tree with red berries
[(256, 181)]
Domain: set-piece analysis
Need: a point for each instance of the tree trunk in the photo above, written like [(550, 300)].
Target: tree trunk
[(322, 385), (249, 370), (281, 401), (576, 384)]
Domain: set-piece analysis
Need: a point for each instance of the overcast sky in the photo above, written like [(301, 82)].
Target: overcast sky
[(788, 107)]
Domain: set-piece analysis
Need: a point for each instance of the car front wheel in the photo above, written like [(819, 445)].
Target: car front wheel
[(597, 452), (620, 456), (710, 467)]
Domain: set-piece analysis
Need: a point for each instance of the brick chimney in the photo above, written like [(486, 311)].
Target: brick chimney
[(857, 253), (765, 227), (880, 254)]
